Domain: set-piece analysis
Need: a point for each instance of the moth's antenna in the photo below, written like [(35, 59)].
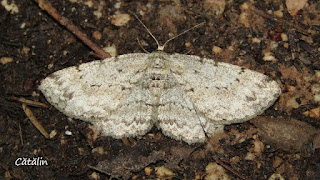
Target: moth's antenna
[(142, 46), (161, 48), (147, 29)]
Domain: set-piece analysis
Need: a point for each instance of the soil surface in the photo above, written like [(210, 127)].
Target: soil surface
[(282, 143)]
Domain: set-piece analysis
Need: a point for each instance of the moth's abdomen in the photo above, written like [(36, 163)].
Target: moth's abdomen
[(157, 77)]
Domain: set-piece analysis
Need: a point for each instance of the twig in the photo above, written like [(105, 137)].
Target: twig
[(281, 21), (98, 169), (20, 133), (125, 141), (34, 121), (45, 5), (230, 169), (29, 102)]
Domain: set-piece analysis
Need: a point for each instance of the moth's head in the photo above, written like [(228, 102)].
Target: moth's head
[(161, 47)]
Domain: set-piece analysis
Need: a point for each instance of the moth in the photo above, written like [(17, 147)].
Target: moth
[(185, 96)]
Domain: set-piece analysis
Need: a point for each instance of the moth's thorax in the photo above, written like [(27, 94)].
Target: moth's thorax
[(157, 75)]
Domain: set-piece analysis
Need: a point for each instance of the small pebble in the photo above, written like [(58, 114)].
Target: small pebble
[(69, 133), (5, 60), (163, 172), (120, 19), (97, 35)]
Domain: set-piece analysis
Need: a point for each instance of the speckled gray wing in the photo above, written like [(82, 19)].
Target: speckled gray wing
[(106, 93), (179, 119), (223, 93), (131, 118)]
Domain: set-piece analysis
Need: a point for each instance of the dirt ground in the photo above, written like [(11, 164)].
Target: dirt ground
[(282, 143)]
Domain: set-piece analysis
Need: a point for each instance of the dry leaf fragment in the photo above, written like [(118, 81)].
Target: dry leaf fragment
[(286, 134)]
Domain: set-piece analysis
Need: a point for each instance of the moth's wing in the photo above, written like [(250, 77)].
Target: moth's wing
[(178, 118), (94, 91), (222, 92), (131, 118)]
